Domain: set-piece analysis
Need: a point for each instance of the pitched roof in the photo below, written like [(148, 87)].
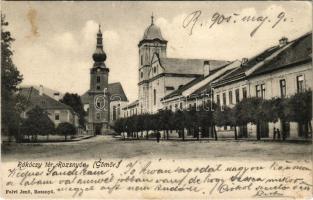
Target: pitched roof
[(240, 72), (188, 66), (43, 101), (180, 90), (131, 105), (47, 91), (115, 89), (204, 88), (200, 84), (299, 51)]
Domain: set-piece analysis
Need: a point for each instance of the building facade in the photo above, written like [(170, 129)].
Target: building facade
[(57, 111), (278, 72)]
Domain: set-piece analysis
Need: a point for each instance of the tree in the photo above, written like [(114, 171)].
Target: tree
[(74, 101), (299, 109), (227, 117), (205, 119), (10, 79), (66, 129), (37, 123), (251, 110), (179, 121), (166, 119)]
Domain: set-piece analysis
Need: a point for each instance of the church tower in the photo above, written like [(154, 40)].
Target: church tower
[(98, 114), (152, 42)]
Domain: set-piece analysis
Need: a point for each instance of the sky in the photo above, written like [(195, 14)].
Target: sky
[(54, 41)]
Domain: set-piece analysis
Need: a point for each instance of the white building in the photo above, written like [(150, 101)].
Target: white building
[(279, 71)]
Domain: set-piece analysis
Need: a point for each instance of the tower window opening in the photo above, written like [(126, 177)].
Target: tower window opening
[(98, 79), (154, 97), (98, 87)]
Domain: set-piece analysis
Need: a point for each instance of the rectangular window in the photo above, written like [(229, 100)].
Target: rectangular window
[(244, 93), (141, 59), (237, 95), (282, 84), (169, 88), (57, 116), (98, 115), (218, 100), (300, 83), (98, 79), (224, 98), (230, 94), (258, 91), (263, 91)]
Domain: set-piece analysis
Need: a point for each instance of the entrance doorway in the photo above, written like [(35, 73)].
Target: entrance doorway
[(98, 129)]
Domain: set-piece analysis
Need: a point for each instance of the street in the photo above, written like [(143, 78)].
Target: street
[(109, 147)]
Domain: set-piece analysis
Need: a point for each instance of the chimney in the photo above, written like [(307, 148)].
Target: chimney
[(56, 96), (283, 41), (206, 68), (244, 61), (40, 90)]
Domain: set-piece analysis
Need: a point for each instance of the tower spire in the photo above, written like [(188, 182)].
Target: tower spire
[(99, 55), (152, 19)]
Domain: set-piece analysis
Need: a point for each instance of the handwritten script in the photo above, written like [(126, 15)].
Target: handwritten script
[(157, 178), (195, 19)]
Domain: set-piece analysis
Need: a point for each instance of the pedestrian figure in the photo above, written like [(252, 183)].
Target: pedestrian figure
[(284, 135), (278, 134), (158, 135), (274, 133)]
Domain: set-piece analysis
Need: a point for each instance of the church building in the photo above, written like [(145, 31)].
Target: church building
[(160, 75), (103, 101)]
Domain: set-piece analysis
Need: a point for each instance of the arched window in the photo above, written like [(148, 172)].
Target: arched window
[(154, 97)]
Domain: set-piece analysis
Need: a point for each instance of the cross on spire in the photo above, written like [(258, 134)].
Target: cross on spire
[(99, 28), (152, 19)]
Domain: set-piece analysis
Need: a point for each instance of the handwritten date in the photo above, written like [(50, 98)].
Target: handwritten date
[(194, 19)]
